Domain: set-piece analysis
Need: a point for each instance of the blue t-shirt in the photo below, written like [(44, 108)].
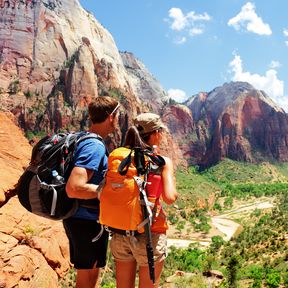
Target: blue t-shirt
[(91, 154)]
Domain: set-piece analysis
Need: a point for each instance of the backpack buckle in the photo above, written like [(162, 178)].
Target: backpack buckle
[(129, 233)]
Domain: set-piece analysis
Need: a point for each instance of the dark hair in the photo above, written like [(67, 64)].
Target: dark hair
[(133, 138), (101, 108)]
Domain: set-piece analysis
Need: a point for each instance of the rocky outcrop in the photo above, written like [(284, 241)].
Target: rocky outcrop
[(240, 123), (14, 155), (34, 251), (54, 58), (143, 84), (179, 120)]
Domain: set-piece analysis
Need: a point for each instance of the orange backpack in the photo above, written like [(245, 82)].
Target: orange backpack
[(126, 178)]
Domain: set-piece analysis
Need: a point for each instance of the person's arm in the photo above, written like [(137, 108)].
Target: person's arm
[(87, 161), (169, 194), (77, 186)]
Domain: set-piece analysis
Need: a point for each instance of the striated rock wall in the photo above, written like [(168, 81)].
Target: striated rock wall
[(54, 58), (241, 123), (143, 84), (38, 38)]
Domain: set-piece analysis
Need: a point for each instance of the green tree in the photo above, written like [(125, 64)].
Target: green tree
[(273, 279), (285, 279), (256, 273), (232, 268), (216, 242)]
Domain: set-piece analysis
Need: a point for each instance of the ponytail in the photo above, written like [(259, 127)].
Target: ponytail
[(133, 139)]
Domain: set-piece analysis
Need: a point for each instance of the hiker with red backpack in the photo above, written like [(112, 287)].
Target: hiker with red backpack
[(90, 164), (135, 170)]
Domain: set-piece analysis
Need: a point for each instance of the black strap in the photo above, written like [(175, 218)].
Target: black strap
[(123, 232), (87, 135), (157, 159), (124, 165), (139, 161)]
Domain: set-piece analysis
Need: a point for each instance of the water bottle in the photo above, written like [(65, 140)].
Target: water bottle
[(56, 178), (154, 179)]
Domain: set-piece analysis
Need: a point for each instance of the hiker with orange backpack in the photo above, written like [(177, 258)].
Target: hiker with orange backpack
[(130, 247)]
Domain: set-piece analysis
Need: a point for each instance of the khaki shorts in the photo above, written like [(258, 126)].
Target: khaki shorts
[(126, 248)]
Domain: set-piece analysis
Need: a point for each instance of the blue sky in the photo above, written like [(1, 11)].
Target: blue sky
[(197, 45)]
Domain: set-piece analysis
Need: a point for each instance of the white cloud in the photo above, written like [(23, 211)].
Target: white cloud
[(196, 31), (181, 40), (274, 64), (198, 17), (269, 83), (190, 24), (249, 20), (177, 95), (285, 33), (179, 20)]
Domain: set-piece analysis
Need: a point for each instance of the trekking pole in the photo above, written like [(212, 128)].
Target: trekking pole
[(147, 214), (149, 250)]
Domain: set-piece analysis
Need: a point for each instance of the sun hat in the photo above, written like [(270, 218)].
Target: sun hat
[(148, 122)]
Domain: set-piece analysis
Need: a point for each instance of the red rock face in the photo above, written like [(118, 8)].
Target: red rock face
[(33, 250), (247, 127), (179, 120), (54, 59)]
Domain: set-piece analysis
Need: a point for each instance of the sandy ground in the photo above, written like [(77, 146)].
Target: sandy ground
[(183, 243), (222, 225)]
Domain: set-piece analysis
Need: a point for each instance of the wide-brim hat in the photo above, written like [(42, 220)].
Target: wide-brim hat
[(148, 122)]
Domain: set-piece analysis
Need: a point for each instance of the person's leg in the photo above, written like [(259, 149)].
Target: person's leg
[(125, 274), (87, 256), (124, 261), (144, 277), (159, 242), (87, 278)]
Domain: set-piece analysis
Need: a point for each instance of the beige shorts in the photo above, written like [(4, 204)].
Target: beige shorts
[(126, 248)]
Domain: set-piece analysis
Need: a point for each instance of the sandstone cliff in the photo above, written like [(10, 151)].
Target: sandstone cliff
[(239, 122), (144, 85), (55, 57), (33, 250)]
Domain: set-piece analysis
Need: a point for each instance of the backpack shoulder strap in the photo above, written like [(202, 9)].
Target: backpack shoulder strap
[(86, 135), (125, 163)]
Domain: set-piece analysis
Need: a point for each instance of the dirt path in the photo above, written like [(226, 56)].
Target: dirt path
[(224, 224)]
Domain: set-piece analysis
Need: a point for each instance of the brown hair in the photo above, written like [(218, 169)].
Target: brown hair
[(101, 108), (133, 138)]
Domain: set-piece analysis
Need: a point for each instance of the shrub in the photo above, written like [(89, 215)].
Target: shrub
[(273, 279), (14, 87)]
